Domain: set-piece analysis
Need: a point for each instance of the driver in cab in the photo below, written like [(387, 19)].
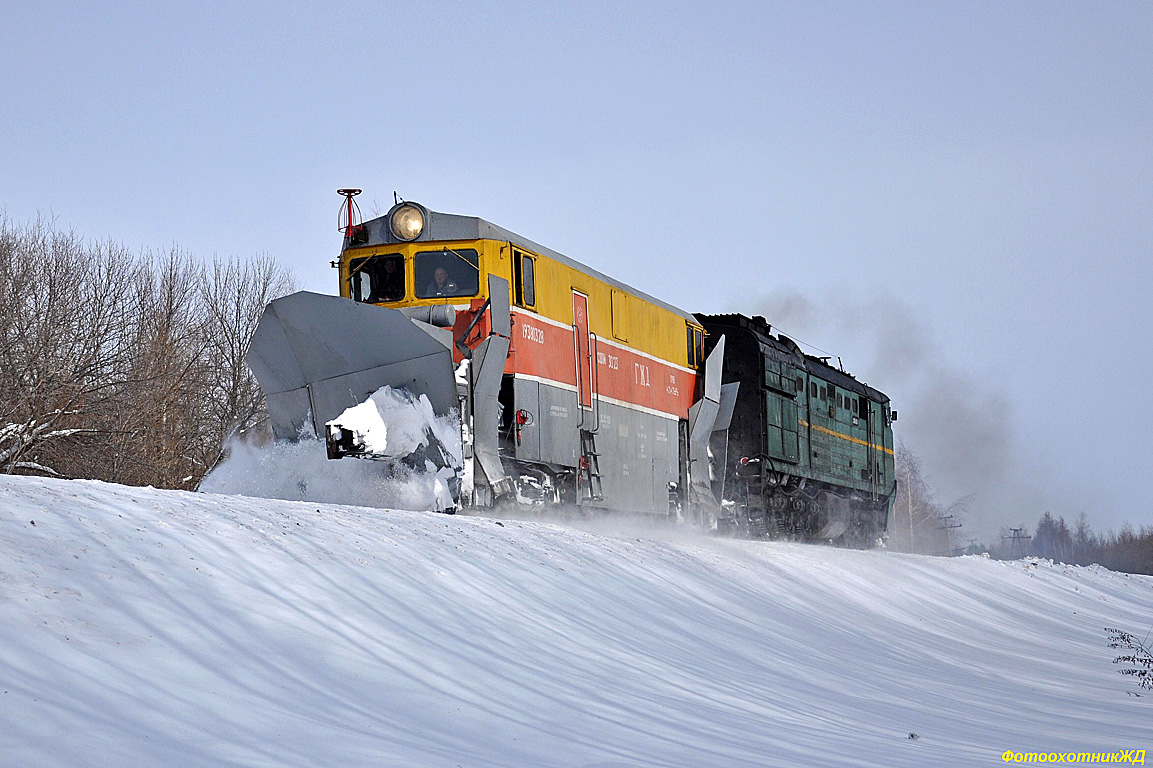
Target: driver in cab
[(441, 284)]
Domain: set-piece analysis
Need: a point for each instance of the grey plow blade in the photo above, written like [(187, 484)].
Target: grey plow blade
[(317, 355)]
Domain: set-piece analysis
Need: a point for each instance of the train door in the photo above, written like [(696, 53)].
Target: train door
[(781, 422), (790, 420), (580, 315)]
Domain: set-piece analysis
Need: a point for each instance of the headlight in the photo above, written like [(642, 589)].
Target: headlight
[(406, 222)]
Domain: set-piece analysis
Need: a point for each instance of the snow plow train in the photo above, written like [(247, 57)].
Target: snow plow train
[(563, 386)]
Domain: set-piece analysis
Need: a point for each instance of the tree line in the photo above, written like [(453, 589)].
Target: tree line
[(1128, 550), (920, 524), (124, 367)]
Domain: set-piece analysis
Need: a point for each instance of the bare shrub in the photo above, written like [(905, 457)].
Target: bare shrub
[(1137, 657)]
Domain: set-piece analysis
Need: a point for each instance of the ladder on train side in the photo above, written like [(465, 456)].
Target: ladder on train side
[(590, 468)]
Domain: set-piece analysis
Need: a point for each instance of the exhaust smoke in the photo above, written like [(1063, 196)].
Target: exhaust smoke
[(960, 425)]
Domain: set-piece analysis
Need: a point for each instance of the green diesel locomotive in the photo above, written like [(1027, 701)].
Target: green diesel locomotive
[(809, 450)]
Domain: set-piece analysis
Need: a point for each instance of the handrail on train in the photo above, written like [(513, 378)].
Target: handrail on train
[(596, 381)]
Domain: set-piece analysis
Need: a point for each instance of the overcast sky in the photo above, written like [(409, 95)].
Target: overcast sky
[(957, 199)]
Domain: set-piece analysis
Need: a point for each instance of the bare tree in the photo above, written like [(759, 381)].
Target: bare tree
[(233, 295), (121, 367), (916, 524), (159, 421), (63, 338)]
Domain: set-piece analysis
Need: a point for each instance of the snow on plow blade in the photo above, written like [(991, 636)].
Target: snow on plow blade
[(315, 356)]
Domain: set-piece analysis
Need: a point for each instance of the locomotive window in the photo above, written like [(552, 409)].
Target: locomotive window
[(529, 281), (447, 272), (696, 346), (800, 384), (525, 279), (376, 279), (824, 394), (840, 401), (812, 389)]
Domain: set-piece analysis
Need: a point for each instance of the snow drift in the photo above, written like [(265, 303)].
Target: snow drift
[(153, 628), (394, 422), (412, 459)]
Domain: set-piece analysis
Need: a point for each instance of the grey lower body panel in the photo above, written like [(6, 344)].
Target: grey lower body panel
[(638, 453), (638, 459)]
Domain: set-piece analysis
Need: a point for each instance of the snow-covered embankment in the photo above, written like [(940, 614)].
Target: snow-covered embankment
[(143, 627)]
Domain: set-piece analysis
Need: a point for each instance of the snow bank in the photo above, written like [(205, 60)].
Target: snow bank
[(302, 471), (151, 628), (391, 423)]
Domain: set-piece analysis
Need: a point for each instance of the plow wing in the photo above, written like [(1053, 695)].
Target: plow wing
[(316, 356)]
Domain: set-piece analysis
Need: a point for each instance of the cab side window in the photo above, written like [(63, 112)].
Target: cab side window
[(525, 279), (695, 342)]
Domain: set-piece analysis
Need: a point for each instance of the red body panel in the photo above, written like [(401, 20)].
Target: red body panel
[(545, 351)]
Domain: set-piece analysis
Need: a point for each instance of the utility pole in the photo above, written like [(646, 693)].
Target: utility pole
[(1016, 542), (948, 524)]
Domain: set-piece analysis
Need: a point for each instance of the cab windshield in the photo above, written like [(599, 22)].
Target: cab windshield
[(377, 279), (447, 272)]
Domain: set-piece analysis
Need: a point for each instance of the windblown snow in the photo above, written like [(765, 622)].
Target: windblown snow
[(393, 422), (390, 423), (141, 627)]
